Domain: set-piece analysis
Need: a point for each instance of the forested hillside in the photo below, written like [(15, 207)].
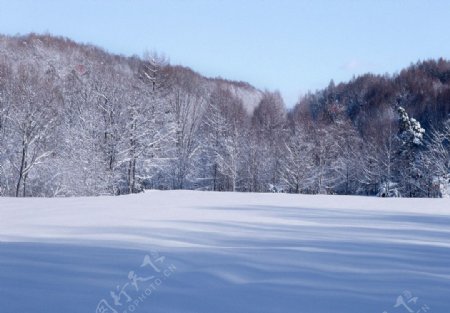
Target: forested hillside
[(393, 130), (76, 120)]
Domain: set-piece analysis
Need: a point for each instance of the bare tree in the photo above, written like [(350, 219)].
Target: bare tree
[(34, 117)]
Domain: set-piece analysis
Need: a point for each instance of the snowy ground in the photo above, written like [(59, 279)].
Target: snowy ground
[(205, 252)]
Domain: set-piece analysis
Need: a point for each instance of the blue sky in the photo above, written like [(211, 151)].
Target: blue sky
[(293, 46)]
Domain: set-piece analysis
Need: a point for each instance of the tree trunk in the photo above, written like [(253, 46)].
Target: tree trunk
[(22, 167)]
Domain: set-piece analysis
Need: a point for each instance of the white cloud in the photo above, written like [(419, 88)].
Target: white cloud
[(353, 65)]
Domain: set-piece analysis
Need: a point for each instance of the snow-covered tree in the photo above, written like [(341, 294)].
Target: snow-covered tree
[(437, 161), (32, 118), (268, 127), (410, 142), (188, 108), (297, 161)]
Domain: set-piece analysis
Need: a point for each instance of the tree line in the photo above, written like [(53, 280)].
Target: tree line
[(76, 120)]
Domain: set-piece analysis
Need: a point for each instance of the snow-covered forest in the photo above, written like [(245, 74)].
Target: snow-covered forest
[(78, 121)]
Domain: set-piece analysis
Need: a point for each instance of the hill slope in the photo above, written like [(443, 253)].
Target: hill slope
[(65, 56)]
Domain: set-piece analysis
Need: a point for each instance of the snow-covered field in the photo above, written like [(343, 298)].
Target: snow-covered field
[(206, 252)]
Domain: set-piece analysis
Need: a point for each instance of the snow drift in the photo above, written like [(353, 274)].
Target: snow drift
[(229, 252)]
